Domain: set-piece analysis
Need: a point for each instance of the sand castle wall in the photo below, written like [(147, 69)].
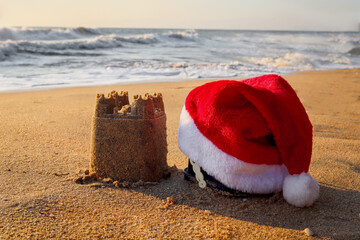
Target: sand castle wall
[(128, 141)]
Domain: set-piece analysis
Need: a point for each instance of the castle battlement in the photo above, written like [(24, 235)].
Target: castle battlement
[(128, 141), (116, 105)]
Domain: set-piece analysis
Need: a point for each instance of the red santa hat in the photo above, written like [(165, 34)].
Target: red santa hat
[(252, 135)]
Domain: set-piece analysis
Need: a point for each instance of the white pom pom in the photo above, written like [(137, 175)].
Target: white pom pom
[(300, 190)]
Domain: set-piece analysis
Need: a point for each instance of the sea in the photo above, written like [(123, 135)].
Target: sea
[(35, 58)]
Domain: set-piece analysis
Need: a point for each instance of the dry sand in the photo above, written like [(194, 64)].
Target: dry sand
[(45, 139)]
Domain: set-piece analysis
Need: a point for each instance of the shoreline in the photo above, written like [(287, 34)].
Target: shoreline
[(161, 81), (45, 142)]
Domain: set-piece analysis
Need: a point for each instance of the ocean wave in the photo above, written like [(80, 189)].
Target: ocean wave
[(53, 34), (187, 35), (48, 34), (139, 39), (86, 31), (31, 34), (15, 45), (166, 37), (10, 48)]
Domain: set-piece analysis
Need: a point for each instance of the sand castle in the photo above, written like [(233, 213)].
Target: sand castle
[(128, 141)]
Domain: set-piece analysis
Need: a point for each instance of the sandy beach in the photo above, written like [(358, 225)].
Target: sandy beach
[(45, 144)]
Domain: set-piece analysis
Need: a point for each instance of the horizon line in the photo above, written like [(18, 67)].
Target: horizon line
[(181, 28)]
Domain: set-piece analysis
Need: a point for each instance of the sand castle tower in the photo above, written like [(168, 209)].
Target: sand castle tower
[(128, 141)]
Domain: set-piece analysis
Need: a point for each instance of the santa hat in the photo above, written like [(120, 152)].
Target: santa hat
[(253, 136)]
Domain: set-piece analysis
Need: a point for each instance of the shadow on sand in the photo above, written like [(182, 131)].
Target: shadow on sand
[(335, 215)]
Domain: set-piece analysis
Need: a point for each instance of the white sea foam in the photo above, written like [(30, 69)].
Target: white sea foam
[(289, 60)]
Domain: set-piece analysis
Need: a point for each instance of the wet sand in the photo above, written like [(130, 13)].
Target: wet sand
[(45, 144)]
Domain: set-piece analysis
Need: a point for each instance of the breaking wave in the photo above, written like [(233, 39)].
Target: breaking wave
[(43, 41), (63, 48), (45, 34), (31, 34)]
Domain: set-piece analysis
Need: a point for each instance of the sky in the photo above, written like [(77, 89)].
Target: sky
[(314, 15)]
